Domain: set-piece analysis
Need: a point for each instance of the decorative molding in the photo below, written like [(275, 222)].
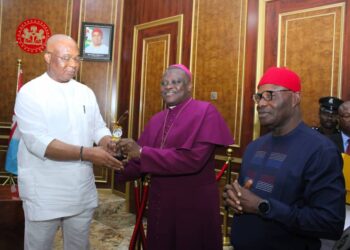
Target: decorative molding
[(260, 58), (103, 178), (69, 14), (1, 10), (165, 40), (334, 38), (117, 49)]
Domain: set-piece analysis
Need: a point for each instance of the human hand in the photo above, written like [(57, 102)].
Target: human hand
[(112, 148), (241, 199), (109, 145), (129, 148), (99, 156)]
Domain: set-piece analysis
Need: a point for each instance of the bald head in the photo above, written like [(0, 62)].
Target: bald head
[(57, 40), (344, 106), (62, 58), (344, 117)]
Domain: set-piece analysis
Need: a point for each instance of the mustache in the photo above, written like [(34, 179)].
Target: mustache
[(262, 110)]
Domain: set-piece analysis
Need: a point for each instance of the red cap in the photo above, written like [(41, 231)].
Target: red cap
[(281, 77), (98, 30)]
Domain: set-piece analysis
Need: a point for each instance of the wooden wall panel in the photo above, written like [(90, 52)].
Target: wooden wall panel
[(101, 76), (310, 38), (138, 12), (317, 56), (155, 58), (98, 75), (218, 64), (170, 31)]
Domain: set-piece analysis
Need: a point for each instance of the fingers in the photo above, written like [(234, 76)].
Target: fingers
[(114, 163), (101, 157), (231, 198), (238, 197), (237, 188), (124, 145), (129, 148), (248, 184)]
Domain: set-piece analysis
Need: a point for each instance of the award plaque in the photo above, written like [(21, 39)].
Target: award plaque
[(117, 129), (117, 133)]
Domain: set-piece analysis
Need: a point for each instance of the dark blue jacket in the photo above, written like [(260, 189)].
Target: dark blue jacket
[(300, 174)]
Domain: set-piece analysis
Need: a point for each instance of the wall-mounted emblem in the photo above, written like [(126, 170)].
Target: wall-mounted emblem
[(32, 34)]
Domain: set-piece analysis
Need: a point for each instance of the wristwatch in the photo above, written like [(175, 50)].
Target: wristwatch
[(264, 207)]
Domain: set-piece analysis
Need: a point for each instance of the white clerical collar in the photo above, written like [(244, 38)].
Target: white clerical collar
[(172, 107)]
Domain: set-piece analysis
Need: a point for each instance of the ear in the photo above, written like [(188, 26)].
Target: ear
[(296, 99), (189, 86), (47, 57)]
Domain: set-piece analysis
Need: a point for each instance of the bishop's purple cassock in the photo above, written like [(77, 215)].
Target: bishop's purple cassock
[(178, 152)]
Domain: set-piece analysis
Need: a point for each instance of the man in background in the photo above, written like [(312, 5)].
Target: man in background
[(97, 47), (59, 121), (342, 139), (328, 115), (290, 191)]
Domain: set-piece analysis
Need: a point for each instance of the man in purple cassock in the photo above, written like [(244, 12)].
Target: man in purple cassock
[(177, 150)]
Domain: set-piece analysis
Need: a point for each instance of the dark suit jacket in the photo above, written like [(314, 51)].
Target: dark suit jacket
[(338, 140)]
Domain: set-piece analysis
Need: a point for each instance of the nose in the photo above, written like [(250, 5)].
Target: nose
[(73, 63), (262, 102), (169, 86)]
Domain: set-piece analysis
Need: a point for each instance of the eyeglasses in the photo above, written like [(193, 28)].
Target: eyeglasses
[(66, 58), (266, 95), (173, 82)]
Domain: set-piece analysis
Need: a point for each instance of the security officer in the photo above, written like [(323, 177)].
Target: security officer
[(328, 115)]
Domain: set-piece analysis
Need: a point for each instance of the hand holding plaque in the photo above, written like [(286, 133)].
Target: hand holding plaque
[(129, 148), (117, 133)]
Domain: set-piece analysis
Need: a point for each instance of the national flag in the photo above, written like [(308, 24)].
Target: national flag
[(88, 37), (11, 156)]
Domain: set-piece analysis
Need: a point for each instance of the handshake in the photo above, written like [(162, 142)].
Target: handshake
[(125, 149)]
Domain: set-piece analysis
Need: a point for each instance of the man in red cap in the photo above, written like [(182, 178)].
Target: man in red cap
[(290, 191), (97, 46), (177, 149)]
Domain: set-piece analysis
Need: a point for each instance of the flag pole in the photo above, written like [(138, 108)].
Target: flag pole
[(19, 66)]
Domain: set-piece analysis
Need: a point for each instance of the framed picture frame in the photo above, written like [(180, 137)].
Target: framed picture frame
[(96, 41)]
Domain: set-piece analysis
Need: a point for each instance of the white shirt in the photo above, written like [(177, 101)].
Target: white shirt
[(48, 110), (345, 140), (102, 49)]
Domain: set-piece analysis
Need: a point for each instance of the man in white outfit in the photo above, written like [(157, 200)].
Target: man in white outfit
[(59, 120)]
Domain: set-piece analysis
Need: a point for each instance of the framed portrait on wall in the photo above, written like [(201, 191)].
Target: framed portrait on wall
[(96, 41)]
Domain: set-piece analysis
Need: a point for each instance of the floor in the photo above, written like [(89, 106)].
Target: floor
[(112, 227)]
